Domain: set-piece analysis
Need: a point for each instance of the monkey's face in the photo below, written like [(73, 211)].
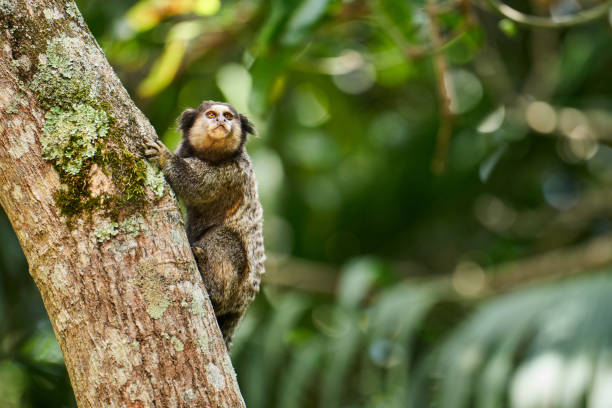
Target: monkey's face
[(218, 128)]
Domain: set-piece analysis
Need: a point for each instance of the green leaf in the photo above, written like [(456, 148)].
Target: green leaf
[(357, 279), (532, 345), (278, 14), (269, 80), (301, 370), (303, 19), (398, 13)]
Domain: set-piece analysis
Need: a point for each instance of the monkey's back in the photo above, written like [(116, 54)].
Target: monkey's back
[(246, 219), (236, 207)]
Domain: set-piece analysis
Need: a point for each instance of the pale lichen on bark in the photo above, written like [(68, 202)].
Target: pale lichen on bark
[(153, 286), (69, 137), (131, 226), (216, 376), (177, 343)]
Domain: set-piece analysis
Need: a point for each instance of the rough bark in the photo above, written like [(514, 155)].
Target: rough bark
[(105, 244)]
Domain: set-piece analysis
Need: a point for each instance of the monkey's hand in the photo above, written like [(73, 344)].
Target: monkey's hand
[(157, 152)]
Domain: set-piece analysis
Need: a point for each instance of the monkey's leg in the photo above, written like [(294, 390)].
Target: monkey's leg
[(228, 323), (211, 275), (222, 262)]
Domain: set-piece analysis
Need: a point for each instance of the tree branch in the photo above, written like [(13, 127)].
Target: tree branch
[(546, 267), (101, 232), (582, 17)]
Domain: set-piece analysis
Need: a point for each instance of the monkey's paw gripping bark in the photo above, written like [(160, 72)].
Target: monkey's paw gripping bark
[(157, 152)]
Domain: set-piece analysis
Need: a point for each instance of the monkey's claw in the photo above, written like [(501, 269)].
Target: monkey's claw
[(156, 151)]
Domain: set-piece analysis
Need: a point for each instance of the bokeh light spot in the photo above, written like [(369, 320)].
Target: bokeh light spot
[(494, 214), (569, 119), (358, 80), (464, 90), (493, 121), (541, 117), (583, 143), (469, 279), (389, 129), (561, 191)]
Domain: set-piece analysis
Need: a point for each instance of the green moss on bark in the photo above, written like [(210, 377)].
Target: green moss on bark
[(80, 131), (129, 174)]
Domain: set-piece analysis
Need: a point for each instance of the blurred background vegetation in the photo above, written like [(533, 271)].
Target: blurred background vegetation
[(435, 179)]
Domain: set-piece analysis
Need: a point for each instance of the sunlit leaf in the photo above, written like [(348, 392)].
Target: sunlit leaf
[(163, 71), (206, 7), (165, 68), (146, 14)]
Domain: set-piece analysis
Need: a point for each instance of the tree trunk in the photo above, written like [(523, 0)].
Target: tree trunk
[(101, 231)]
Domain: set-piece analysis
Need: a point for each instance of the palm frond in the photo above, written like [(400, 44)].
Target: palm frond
[(541, 347)]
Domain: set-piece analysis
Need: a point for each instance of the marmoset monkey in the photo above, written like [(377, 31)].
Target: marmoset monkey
[(212, 174)]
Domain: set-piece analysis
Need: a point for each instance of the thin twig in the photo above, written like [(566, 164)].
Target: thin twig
[(417, 50), (582, 17), (445, 130)]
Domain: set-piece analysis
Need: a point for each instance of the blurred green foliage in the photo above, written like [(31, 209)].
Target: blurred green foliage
[(345, 97)]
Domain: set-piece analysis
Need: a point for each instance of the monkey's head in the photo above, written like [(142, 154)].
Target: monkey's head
[(214, 131)]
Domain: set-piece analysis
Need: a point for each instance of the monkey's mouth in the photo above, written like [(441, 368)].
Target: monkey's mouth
[(220, 131)]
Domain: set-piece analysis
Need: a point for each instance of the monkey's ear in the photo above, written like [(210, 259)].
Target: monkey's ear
[(247, 126), (187, 118)]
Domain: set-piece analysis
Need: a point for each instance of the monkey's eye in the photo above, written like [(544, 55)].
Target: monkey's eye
[(228, 116), (211, 114)]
